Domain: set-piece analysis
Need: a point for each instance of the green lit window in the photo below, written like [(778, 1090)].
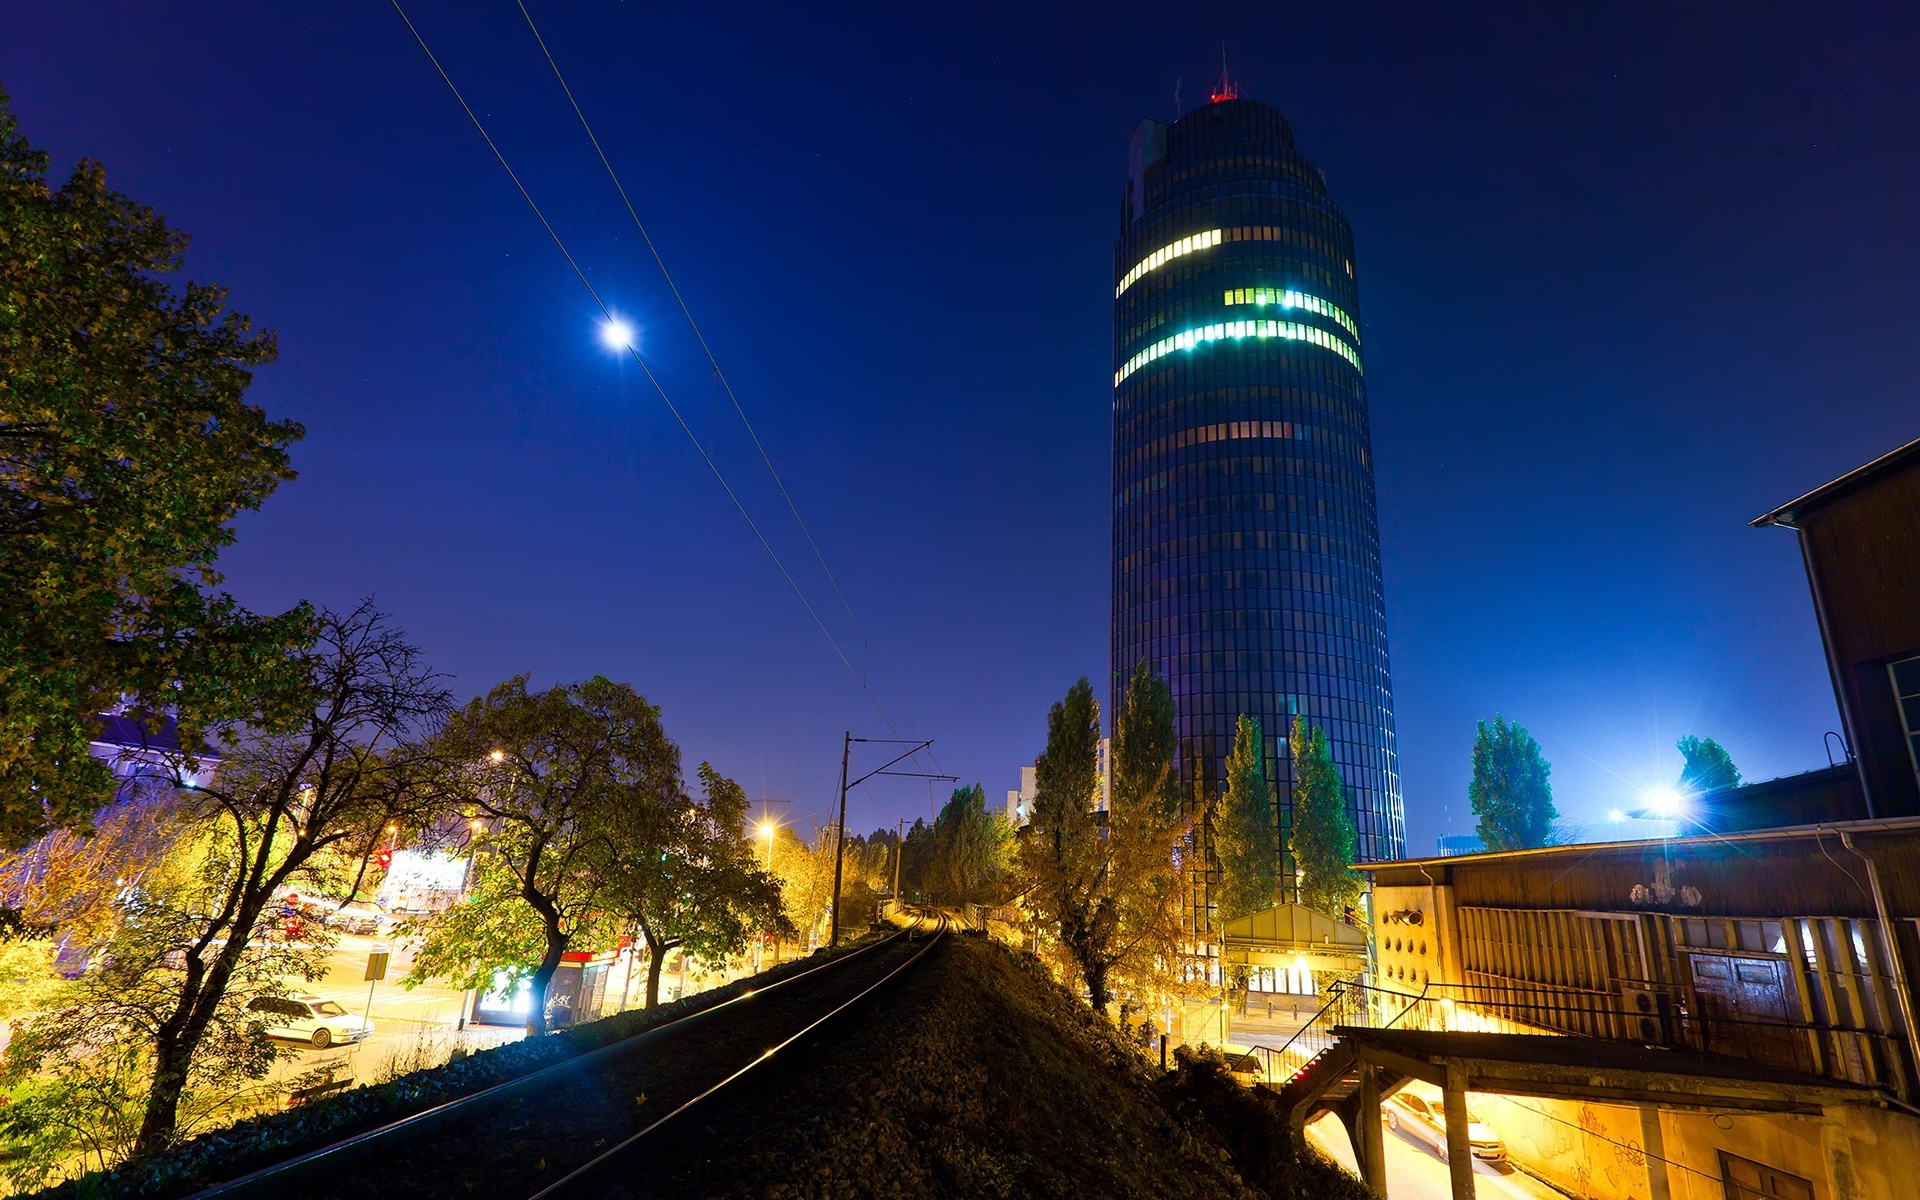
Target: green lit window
[(1234, 331), (1166, 254), (1288, 298)]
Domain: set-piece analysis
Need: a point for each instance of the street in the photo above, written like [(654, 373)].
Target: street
[(411, 1029), (1416, 1172)]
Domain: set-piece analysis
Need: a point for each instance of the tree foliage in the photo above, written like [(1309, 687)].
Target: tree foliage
[(1324, 838), (1709, 767), (556, 776), (1510, 791), (1246, 834), (1109, 899), (689, 880), (969, 851), (126, 449)]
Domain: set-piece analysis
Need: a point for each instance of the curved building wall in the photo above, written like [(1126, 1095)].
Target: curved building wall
[(1246, 548)]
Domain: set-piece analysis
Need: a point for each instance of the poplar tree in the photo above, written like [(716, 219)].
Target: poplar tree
[(1709, 767), (1246, 836), (1324, 838), (1510, 791), (1110, 898)]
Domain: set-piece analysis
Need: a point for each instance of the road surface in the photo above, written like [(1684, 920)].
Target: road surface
[(1415, 1172)]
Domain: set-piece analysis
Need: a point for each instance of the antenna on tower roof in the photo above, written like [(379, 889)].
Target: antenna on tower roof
[(1227, 89)]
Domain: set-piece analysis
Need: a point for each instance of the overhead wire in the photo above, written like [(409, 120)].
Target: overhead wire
[(681, 420), (686, 310)]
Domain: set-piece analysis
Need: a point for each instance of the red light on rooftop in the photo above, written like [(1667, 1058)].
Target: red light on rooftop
[(1226, 89)]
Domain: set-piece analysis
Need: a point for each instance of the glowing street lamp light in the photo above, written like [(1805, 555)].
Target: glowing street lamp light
[(1665, 800), (766, 831), (617, 334)]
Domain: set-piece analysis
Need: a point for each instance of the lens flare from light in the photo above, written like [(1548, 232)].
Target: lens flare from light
[(1665, 800), (617, 334)]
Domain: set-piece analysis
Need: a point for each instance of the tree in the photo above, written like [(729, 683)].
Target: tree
[(970, 849), (1110, 899), (805, 871), (84, 1070), (1709, 767), (1246, 836), (286, 797), (126, 450), (1510, 791), (1323, 834), (555, 775), (688, 880)]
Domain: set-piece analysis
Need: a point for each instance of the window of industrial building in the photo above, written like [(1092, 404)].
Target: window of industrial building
[(1745, 1179), (1906, 691)]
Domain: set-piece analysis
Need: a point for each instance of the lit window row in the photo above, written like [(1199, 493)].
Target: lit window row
[(1235, 330), (1213, 237), (1166, 254), (1287, 298)]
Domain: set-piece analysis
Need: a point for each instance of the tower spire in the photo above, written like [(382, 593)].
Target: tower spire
[(1227, 89)]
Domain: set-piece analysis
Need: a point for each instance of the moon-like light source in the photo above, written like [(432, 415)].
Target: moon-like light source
[(617, 334)]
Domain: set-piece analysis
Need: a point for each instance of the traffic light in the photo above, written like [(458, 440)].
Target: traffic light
[(385, 857)]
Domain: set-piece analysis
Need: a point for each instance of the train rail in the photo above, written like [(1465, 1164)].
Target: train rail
[(591, 1082)]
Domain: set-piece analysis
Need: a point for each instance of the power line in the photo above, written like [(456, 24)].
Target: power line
[(780, 484), (635, 353)]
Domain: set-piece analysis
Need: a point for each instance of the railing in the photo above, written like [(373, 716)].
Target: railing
[(1348, 1003), (1647, 1013), (1663, 1014)]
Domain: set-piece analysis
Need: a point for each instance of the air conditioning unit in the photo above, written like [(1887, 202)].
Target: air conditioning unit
[(1649, 1014)]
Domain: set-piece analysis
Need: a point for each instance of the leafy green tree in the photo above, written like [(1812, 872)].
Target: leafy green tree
[(1510, 791), (1246, 835), (970, 850), (1143, 747), (1324, 838), (554, 775), (1110, 898), (126, 450), (1709, 767), (805, 871), (688, 879)]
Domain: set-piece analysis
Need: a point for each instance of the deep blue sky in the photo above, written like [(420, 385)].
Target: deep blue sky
[(1632, 274)]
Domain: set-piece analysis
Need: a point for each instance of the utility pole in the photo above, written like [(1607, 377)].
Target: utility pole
[(899, 852), (840, 836)]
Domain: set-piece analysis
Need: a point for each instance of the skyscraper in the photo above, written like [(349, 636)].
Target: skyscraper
[(1246, 548)]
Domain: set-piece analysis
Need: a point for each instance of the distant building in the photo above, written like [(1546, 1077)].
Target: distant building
[(1460, 843), (1020, 801), (1860, 538), (1246, 549)]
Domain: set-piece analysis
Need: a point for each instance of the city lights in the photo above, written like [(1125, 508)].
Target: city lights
[(617, 334)]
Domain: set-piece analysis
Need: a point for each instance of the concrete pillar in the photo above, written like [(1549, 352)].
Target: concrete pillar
[(1838, 1151), (1369, 1144), (1453, 1099), (1654, 1143)]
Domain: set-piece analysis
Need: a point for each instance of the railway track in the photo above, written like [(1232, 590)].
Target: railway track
[(578, 1127)]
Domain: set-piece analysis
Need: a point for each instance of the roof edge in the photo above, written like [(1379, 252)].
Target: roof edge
[(1785, 515), (1778, 833)]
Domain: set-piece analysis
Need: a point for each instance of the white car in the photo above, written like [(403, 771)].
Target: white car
[(312, 1019), (1427, 1121)]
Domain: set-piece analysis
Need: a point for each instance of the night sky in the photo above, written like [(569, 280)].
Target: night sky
[(1631, 275)]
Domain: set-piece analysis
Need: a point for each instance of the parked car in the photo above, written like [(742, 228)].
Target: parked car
[(357, 917), (312, 1019), (1427, 1121)]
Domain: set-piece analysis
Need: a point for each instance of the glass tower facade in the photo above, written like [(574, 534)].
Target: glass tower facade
[(1246, 547)]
